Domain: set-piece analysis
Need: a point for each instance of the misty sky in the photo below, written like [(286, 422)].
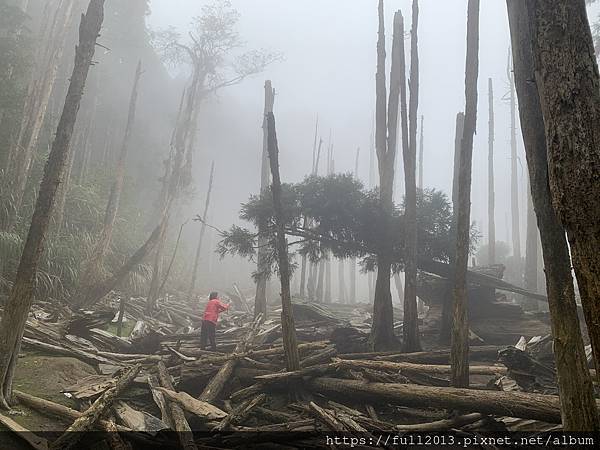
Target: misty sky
[(329, 69)]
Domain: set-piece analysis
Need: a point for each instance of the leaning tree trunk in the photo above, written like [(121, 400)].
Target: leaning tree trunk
[(459, 355), (446, 325), (382, 331), (410, 329), (566, 73), (17, 307), (514, 179), (194, 277), (578, 408), (491, 194), (531, 254), (96, 260), (262, 275), (288, 329)]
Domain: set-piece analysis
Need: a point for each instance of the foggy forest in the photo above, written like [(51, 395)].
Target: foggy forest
[(299, 224)]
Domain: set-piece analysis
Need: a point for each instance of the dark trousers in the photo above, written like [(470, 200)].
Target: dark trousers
[(207, 333)]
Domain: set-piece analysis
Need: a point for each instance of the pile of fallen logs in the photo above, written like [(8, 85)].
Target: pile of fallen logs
[(157, 387)]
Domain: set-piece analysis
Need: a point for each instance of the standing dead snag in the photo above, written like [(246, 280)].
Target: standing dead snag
[(21, 297), (566, 74), (411, 342), (578, 410), (491, 194), (514, 179), (288, 329), (260, 300), (202, 232), (382, 331), (459, 356), (96, 260)]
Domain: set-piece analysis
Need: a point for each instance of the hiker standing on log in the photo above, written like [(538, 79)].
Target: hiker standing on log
[(209, 321)]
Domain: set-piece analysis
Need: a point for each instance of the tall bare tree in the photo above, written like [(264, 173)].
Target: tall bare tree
[(459, 354), (410, 330), (96, 261), (288, 329), (421, 156), (531, 254), (514, 177), (386, 118), (491, 193), (566, 73), (578, 409), (352, 265), (19, 303), (194, 275)]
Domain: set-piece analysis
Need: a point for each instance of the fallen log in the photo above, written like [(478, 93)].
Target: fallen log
[(327, 418), (177, 417), (441, 425), (476, 353), (115, 442), (320, 357), (202, 409), (160, 401), (36, 442), (419, 368), (213, 389), (514, 404), (312, 371), (87, 421), (239, 414)]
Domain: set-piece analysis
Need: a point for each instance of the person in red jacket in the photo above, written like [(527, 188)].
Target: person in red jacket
[(209, 322)]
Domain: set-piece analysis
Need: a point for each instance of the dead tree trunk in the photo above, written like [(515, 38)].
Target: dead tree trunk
[(566, 73), (421, 156), (288, 329), (352, 265), (446, 324), (342, 294), (202, 232), (260, 300), (382, 331), (411, 342), (491, 193), (578, 408), (96, 260), (21, 297), (531, 254), (459, 356), (514, 179)]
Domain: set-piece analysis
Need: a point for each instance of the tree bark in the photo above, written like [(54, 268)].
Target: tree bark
[(382, 330), (491, 193), (531, 254), (578, 409), (460, 328), (96, 260), (421, 156), (514, 179), (410, 331), (202, 232), (19, 303), (566, 74), (288, 329)]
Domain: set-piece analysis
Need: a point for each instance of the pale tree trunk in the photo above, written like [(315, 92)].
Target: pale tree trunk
[(491, 193), (327, 293), (288, 329), (372, 155), (531, 254), (157, 267), (566, 73), (19, 303), (24, 155), (421, 156), (459, 354), (352, 265), (446, 325), (194, 276), (514, 179), (320, 289), (578, 409), (342, 294), (96, 261), (382, 331), (410, 331)]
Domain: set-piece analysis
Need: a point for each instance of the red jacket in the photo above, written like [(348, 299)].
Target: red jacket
[(212, 310)]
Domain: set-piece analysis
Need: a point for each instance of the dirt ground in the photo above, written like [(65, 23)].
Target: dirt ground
[(44, 377)]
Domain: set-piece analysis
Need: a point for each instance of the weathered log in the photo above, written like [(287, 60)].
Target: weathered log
[(82, 355), (312, 371), (202, 409), (327, 418), (442, 425), (115, 442), (477, 353), (138, 420), (240, 395), (36, 442), (213, 389), (87, 421), (160, 401), (514, 404), (320, 357), (423, 368), (239, 414), (177, 417)]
